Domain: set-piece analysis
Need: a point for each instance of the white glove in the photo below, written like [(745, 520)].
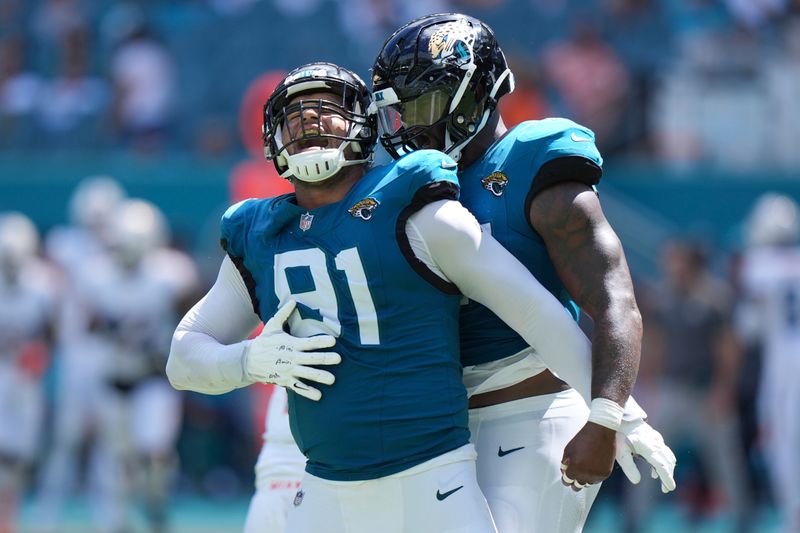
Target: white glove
[(277, 357), (637, 437)]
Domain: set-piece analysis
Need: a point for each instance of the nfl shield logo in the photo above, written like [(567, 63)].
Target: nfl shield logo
[(305, 221), (298, 498)]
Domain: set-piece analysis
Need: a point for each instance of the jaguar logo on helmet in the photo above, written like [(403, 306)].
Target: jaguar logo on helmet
[(495, 183), (453, 40), (364, 208)]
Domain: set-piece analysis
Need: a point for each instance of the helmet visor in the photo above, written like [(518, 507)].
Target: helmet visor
[(424, 110)]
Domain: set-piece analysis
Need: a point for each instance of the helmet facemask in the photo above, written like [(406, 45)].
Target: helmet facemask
[(298, 125)]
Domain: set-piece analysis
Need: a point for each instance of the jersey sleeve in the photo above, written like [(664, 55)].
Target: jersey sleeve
[(429, 175), (233, 227), (566, 152)]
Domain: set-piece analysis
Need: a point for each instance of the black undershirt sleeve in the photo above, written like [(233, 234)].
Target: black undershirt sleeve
[(562, 169)]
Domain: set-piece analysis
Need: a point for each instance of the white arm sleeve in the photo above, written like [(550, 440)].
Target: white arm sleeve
[(484, 271), (208, 346)]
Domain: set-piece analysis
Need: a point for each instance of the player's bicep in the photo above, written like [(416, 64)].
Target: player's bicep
[(585, 250)]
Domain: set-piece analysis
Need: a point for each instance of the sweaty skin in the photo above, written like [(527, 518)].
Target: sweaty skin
[(589, 260)]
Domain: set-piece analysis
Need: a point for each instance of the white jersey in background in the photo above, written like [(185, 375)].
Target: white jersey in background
[(279, 469), (26, 312), (771, 279), (80, 360)]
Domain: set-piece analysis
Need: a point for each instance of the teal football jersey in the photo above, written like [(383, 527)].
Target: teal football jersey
[(498, 189), (398, 399)]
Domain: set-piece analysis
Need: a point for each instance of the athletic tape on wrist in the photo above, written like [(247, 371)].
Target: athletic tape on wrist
[(606, 413)]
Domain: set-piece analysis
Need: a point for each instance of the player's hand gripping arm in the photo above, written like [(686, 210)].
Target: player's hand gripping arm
[(209, 355), (449, 236)]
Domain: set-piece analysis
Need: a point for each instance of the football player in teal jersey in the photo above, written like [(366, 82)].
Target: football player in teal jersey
[(436, 83), (370, 264)]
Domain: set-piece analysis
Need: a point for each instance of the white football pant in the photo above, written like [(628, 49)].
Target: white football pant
[(270, 505), (520, 445), (438, 496)]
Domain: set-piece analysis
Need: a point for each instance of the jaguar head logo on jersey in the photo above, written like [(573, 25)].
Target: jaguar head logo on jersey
[(298, 498), (495, 183), (453, 42), (305, 221), (364, 208)]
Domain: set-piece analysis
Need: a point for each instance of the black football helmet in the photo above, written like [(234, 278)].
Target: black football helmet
[(444, 68), (318, 165)]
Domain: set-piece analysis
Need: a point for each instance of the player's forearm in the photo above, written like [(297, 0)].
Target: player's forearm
[(208, 348), (199, 363), (616, 349)]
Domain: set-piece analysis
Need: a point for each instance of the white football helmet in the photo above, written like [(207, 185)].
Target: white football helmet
[(138, 228), (773, 221), (19, 241), (94, 202)]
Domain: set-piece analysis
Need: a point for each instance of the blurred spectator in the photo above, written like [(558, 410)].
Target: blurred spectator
[(19, 93), (72, 103), (143, 78), (297, 8), (770, 310), (640, 33), (714, 88), (755, 13), (527, 101), (231, 7), (55, 20), (691, 368), (782, 79), (591, 79), (10, 15), (370, 22)]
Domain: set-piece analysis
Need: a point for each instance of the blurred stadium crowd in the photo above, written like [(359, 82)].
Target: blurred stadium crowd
[(88, 306), (664, 78)]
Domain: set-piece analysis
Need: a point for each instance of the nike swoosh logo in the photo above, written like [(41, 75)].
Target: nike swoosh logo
[(448, 164), (299, 387), (501, 452), (578, 139), (441, 496)]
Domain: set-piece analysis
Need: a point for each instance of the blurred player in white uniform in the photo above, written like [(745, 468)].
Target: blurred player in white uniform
[(279, 469), (133, 306), (82, 359), (771, 317), (26, 310)]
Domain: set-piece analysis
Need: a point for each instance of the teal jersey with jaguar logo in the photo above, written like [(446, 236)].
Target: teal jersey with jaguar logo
[(398, 399), (498, 189)]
